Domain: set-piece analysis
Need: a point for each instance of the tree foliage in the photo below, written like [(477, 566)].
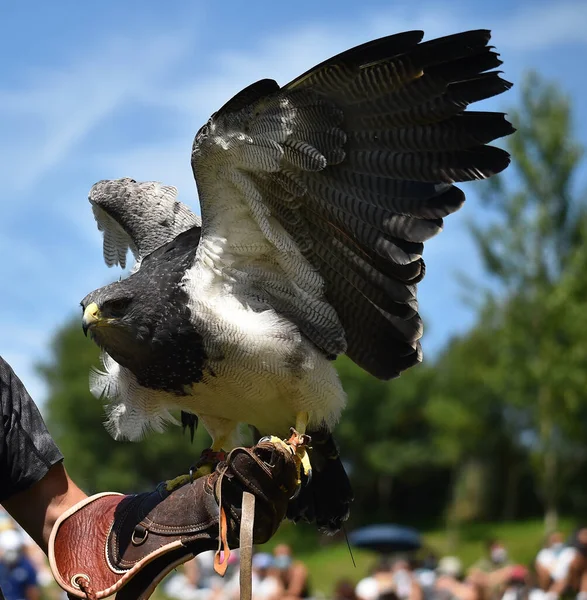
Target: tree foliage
[(532, 247), (537, 222)]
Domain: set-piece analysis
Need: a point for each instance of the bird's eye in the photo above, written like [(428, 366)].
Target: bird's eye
[(117, 308)]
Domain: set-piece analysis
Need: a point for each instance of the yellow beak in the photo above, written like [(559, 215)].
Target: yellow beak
[(91, 317)]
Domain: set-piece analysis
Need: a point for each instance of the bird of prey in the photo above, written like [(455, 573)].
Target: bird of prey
[(316, 200)]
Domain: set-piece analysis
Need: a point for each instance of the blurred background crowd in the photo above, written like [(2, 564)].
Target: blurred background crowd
[(557, 571), (24, 569)]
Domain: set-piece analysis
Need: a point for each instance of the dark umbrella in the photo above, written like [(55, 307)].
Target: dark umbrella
[(386, 538)]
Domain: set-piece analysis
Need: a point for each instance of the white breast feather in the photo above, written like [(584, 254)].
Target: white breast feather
[(262, 370), (132, 409)]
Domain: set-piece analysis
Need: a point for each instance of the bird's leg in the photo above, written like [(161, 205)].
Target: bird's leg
[(302, 419), (210, 457), (207, 462), (178, 481), (299, 432), (298, 442)]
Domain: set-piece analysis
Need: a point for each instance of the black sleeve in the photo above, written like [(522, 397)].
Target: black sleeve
[(27, 450)]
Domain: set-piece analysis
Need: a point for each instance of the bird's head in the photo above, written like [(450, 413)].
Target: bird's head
[(114, 318)]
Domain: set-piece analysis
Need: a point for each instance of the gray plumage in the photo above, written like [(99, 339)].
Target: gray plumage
[(137, 216), (317, 199)]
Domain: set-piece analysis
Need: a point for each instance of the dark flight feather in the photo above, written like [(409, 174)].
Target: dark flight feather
[(376, 136)]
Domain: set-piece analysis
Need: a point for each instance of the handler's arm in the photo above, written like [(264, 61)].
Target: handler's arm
[(34, 486), (37, 508)]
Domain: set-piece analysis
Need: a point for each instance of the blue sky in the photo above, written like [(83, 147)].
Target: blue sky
[(92, 91)]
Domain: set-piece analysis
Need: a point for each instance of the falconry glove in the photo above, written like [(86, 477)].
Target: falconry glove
[(125, 545)]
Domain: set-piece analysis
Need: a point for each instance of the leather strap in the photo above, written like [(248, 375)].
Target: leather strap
[(246, 545), (221, 566)]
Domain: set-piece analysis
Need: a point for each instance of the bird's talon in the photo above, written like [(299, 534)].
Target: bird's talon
[(298, 440), (279, 442), (306, 466)]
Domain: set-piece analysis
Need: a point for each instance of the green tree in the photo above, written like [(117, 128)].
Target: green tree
[(535, 230), (385, 439), (474, 429)]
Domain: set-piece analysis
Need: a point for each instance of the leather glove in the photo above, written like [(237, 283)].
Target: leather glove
[(111, 543)]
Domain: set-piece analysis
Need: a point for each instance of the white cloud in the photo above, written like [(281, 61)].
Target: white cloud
[(546, 25), (54, 110)]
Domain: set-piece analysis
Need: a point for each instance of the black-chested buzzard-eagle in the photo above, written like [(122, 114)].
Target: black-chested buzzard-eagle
[(316, 199)]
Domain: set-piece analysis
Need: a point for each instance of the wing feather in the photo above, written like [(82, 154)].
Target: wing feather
[(346, 172), (139, 217)]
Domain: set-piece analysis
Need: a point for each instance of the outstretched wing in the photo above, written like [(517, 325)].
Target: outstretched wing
[(323, 192), (137, 216)]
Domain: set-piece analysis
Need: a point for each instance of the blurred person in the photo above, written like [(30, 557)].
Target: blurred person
[(553, 561), (184, 584), (490, 573), (37, 558), (194, 582), (30, 549), (378, 583), (390, 580), (569, 575), (40, 563), (266, 584), (521, 585), (579, 566), (344, 589), (425, 573), (517, 584), (208, 576), (496, 557), (227, 586), (18, 577), (405, 582), (6, 521), (426, 569), (449, 583), (293, 574)]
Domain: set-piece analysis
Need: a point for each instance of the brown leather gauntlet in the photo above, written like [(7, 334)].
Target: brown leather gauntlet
[(111, 543)]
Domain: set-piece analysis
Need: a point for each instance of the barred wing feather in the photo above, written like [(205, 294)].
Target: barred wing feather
[(139, 217), (344, 173)]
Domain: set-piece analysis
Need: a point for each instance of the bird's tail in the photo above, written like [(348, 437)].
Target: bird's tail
[(326, 497)]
